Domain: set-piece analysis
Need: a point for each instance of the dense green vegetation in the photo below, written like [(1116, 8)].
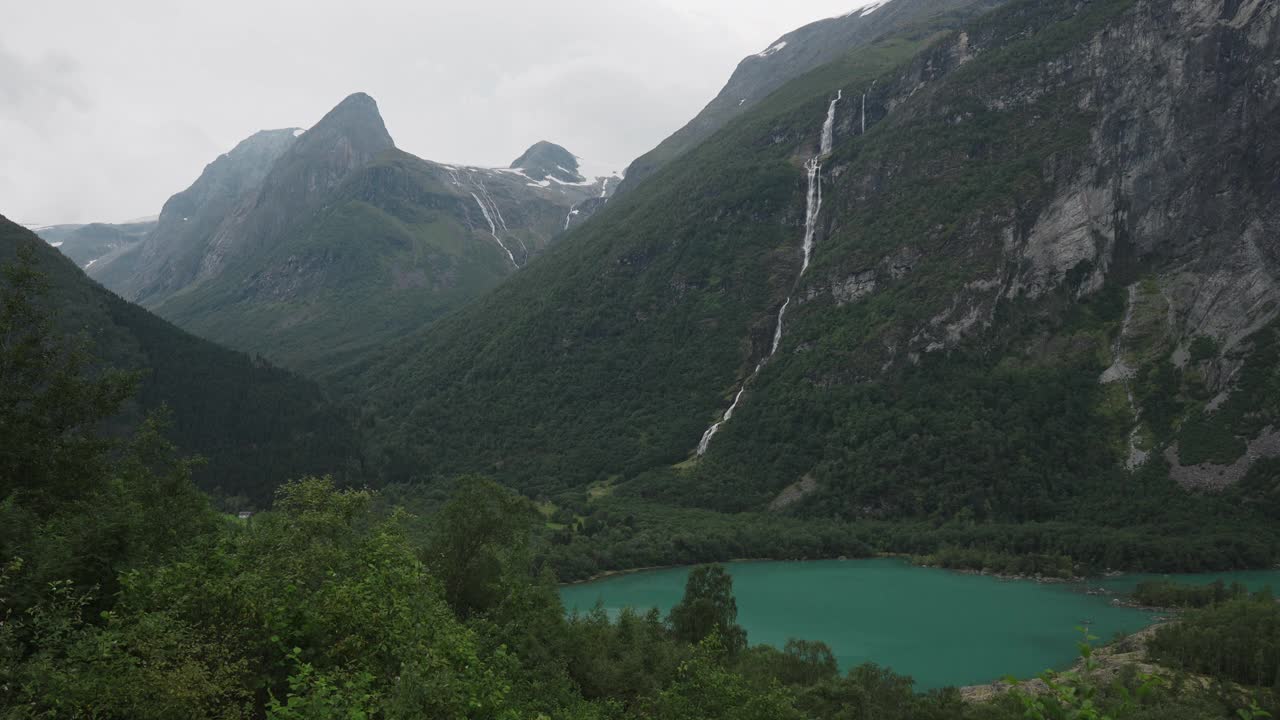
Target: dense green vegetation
[(618, 533), (643, 324), (1165, 594), (695, 258), (1219, 437), (124, 595), (256, 424), (1237, 638), (584, 383)]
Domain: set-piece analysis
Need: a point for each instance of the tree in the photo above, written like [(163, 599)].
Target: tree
[(705, 690), (75, 504), (709, 607), (481, 532), (50, 407)]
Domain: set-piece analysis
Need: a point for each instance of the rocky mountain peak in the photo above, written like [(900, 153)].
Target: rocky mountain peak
[(546, 159), (356, 123)]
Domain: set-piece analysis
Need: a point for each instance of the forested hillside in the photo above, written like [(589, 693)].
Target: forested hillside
[(256, 424), (1001, 326), (122, 595)]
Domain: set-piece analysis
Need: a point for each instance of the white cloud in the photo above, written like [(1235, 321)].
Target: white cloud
[(108, 108)]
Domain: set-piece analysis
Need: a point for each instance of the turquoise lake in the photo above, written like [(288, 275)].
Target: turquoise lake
[(938, 626)]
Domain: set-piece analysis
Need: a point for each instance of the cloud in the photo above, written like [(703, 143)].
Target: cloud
[(34, 92), (106, 109)]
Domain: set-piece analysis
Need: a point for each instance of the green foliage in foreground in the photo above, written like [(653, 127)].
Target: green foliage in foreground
[(708, 609)]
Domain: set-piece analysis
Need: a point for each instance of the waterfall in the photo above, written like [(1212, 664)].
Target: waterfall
[(711, 431), (492, 213), (484, 192), (493, 230), (864, 113), (813, 204), (828, 127), (777, 330), (493, 205)]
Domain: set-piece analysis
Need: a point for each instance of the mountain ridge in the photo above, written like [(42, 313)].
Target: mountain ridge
[(291, 226), (256, 425), (961, 253), (796, 53)]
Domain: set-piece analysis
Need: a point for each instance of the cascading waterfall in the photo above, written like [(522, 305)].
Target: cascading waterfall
[(493, 229), (828, 127), (777, 330), (498, 211), (813, 205), (569, 216), (864, 113), (484, 192)]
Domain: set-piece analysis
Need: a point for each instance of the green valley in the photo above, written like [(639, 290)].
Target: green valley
[(930, 372)]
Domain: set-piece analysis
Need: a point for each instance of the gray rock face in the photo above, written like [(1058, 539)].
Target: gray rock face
[(1075, 230), (1178, 178), (346, 139), (1178, 184), (170, 255)]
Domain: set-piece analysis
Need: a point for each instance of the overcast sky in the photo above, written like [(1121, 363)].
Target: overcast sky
[(108, 108)]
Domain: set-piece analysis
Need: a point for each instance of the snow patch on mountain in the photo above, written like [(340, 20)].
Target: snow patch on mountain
[(772, 49), (865, 10)]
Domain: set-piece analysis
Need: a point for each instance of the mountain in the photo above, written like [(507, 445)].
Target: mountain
[(799, 52), (1018, 272), (310, 250), (256, 424), (547, 160), (170, 255), (92, 243)]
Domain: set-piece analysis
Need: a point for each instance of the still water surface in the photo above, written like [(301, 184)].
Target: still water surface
[(940, 627)]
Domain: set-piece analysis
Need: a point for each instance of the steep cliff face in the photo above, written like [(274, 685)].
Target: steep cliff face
[(1170, 190), (347, 138), (1008, 209), (1177, 175), (168, 258)]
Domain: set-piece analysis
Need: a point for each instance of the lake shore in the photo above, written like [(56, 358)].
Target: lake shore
[(909, 558), (884, 610)]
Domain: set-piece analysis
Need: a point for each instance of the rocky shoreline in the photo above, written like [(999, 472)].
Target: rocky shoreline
[(1111, 659)]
